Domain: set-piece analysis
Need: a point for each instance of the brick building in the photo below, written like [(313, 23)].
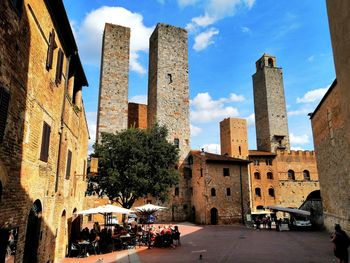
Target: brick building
[(331, 124), (43, 130)]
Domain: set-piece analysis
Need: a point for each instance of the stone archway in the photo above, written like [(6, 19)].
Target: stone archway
[(32, 238), (213, 216)]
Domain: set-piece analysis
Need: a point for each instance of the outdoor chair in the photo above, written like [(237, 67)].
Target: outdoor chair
[(94, 247), (74, 250)]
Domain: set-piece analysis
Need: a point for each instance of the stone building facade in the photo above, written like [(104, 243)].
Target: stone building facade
[(43, 130), (270, 106), (114, 80), (219, 188), (331, 124)]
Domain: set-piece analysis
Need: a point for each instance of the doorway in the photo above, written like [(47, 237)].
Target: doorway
[(213, 216)]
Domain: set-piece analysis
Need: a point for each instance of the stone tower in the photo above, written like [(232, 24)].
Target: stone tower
[(234, 138), (168, 88), (270, 106), (113, 98)]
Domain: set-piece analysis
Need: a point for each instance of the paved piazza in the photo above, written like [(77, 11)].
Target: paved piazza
[(230, 244)]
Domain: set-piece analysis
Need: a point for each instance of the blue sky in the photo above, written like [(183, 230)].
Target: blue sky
[(226, 37)]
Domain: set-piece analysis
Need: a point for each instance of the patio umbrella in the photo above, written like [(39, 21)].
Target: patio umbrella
[(105, 209), (148, 209)]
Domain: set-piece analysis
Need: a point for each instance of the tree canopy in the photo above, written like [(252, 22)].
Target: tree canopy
[(134, 163)]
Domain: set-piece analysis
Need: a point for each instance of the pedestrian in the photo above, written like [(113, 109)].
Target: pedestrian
[(269, 222), (341, 243)]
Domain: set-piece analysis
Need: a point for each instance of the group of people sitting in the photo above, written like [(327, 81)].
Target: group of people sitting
[(121, 237), (264, 221)]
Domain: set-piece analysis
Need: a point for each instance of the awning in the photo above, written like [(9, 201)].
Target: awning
[(288, 210)]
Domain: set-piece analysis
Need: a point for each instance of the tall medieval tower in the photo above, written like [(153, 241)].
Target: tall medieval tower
[(234, 138), (168, 88), (270, 106), (113, 98)]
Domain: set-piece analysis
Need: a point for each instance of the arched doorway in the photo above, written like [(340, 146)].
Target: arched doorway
[(74, 226), (33, 233), (61, 241), (213, 216)]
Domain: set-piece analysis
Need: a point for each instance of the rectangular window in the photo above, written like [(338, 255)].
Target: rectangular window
[(256, 162), (228, 191), (177, 142), (59, 67), (45, 142), (4, 104), (51, 48), (201, 172), (226, 171), (69, 163)]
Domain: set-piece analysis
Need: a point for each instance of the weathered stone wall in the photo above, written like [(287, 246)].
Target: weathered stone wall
[(234, 137), (114, 78), (331, 124), (168, 87), (137, 115), (269, 105), (35, 98), (293, 193), (328, 126), (168, 101), (207, 175)]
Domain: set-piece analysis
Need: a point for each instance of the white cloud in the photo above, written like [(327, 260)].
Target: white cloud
[(214, 10), (235, 98), (184, 3), (91, 120), (90, 32), (212, 148), (299, 139), (141, 99), (205, 109), (301, 111), (204, 39), (311, 58), (195, 130), (313, 95), (245, 29), (251, 119), (296, 149)]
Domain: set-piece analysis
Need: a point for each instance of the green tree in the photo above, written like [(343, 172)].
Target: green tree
[(134, 163)]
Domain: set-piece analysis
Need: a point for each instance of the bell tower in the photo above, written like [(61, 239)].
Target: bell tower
[(270, 106)]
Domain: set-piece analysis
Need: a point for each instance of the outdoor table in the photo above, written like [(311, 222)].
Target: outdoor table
[(83, 248)]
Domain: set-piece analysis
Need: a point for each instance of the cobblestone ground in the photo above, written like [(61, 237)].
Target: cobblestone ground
[(230, 244)]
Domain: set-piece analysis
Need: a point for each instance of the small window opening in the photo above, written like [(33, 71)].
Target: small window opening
[(306, 174), (270, 62), (228, 191), (213, 192), (226, 171), (258, 192), (170, 78), (269, 176), (239, 150), (257, 176), (271, 192), (291, 175), (177, 191), (177, 142)]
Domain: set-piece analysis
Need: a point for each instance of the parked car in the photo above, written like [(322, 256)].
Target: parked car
[(300, 222)]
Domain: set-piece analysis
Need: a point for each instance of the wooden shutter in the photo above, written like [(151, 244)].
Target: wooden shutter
[(4, 103), (51, 48), (45, 142), (59, 67), (69, 163)]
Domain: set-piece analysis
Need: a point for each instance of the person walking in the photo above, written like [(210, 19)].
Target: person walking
[(341, 243)]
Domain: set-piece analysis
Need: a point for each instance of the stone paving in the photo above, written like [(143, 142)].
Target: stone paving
[(229, 244)]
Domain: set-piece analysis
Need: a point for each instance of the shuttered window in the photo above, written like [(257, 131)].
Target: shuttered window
[(69, 163), (51, 48), (59, 67), (45, 142), (4, 104)]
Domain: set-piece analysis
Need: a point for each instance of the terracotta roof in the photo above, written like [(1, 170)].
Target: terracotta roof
[(260, 153), (211, 157)]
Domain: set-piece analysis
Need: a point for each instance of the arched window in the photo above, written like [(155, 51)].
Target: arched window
[(257, 175), (260, 207), (291, 175), (177, 191), (270, 62), (269, 175), (239, 150), (258, 191), (271, 192), (213, 192), (306, 174)]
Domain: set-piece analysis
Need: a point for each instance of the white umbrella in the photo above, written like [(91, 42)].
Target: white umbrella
[(105, 209), (149, 208)]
